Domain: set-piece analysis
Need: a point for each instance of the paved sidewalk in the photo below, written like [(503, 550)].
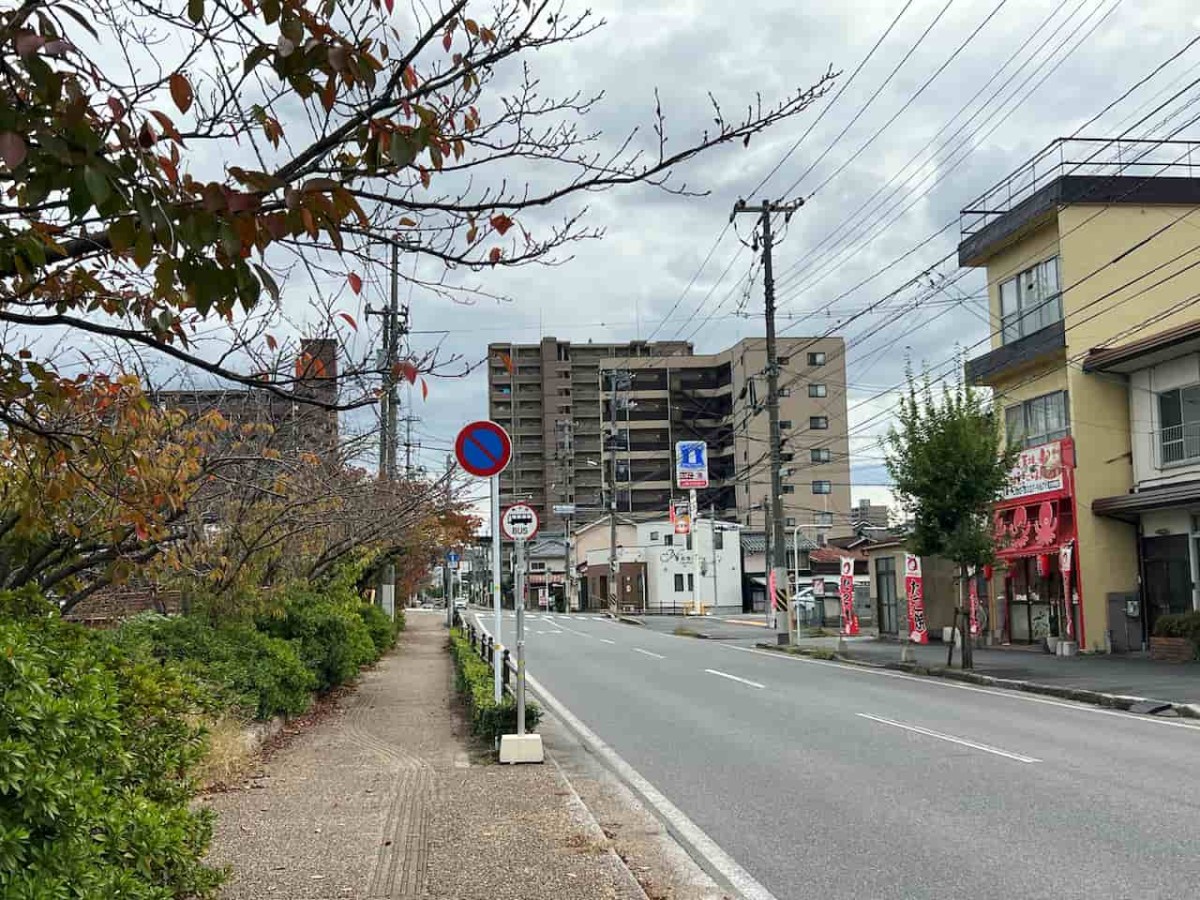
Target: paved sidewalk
[(1115, 674), (387, 799)]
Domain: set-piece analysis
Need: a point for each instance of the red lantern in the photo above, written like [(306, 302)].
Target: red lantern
[(1043, 565), (988, 571)]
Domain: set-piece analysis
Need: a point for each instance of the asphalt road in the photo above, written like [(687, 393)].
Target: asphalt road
[(828, 781)]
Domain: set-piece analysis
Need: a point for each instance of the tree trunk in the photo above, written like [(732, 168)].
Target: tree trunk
[(967, 654)]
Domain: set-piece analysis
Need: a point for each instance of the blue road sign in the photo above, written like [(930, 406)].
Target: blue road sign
[(452, 557), (691, 464), (483, 448)]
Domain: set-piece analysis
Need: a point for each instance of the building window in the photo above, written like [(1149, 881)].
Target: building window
[(1179, 425), (783, 360), (785, 424), (537, 567), (1038, 420), (1031, 301), (691, 582), (668, 540), (718, 540), (817, 359), (790, 522), (678, 583), (819, 454), (785, 392), (822, 487), (818, 390), (818, 423), (787, 457), (789, 489), (825, 519), (689, 541), (654, 535)]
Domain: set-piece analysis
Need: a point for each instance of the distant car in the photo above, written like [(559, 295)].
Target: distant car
[(426, 605), (460, 604), (804, 599)]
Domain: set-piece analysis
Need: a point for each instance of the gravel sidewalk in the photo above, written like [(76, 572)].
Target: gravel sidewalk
[(388, 798)]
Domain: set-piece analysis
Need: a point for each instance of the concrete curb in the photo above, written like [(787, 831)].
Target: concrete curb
[(582, 816), (1080, 695)]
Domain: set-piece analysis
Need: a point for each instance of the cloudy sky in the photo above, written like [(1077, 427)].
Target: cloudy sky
[(884, 169)]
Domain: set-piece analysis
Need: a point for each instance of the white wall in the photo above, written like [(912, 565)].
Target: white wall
[(1144, 387), (664, 562)]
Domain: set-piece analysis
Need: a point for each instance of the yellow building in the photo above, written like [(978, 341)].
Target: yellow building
[(1089, 245)]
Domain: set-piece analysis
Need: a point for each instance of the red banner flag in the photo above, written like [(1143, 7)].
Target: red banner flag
[(914, 589), (1064, 565), (846, 595), (973, 598)]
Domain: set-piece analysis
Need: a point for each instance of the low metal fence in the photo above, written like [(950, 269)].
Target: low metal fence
[(485, 648)]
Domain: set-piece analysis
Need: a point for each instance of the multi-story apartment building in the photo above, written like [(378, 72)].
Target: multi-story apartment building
[(580, 412), (1089, 245)]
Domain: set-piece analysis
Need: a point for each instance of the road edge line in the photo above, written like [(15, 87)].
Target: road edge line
[(690, 836)]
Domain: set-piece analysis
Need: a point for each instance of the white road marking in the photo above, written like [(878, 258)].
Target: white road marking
[(963, 742), (699, 843), (735, 678), (607, 641), (1009, 693), (647, 653)]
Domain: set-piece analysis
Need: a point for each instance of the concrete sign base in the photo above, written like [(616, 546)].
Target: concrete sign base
[(521, 748)]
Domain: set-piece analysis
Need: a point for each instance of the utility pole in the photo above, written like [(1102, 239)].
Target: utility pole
[(778, 542), (616, 378), (769, 612), (712, 537)]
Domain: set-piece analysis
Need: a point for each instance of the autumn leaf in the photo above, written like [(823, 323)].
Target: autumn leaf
[(181, 91), (408, 370), (349, 319), (272, 343), (355, 282), (447, 39), (424, 390), (494, 256), (12, 149), (501, 223), (390, 4)]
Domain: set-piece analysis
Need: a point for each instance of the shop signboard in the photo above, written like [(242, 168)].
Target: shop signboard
[(846, 595), (1038, 470), (914, 590)]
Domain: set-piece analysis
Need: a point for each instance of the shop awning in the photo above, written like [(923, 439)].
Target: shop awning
[(1129, 506)]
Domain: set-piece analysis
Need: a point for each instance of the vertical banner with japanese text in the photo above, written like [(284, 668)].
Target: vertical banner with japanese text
[(914, 590), (846, 595), (973, 601), (1064, 566)]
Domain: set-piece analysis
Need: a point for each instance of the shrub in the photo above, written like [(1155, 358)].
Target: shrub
[(383, 630), (474, 679), (97, 746), (1184, 625), (333, 641), (263, 676)]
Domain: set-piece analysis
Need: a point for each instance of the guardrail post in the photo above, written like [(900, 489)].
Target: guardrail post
[(506, 670), (491, 649)]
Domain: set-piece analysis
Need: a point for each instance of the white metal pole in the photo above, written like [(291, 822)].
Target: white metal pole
[(498, 664), (519, 602), (695, 527)]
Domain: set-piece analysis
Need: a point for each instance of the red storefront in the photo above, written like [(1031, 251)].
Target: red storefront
[(1035, 538)]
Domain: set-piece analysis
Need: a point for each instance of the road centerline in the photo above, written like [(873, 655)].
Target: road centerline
[(648, 653), (753, 684), (949, 738)]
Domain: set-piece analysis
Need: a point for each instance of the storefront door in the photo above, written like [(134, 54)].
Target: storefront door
[(1034, 601), (885, 590), (1168, 576)]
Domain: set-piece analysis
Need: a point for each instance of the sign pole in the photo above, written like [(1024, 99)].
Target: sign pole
[(695, 537), (498, 656), (520, 604)]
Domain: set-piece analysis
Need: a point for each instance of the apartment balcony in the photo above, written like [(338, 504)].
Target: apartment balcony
[(1008, 359), (1078, 170), (1177, 445)]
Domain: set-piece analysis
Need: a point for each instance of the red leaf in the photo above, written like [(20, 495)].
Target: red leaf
[(350, 319), (117, 107), (424, 390), (181, 91), (501, 223), (494, 256), (409, 371), (142, 532), (447, 40), (390, 4), (272, 343), (355, 283), (12, 149)]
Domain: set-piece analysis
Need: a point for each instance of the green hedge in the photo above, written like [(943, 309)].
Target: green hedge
[(474, 679), (97, 743), (383, 630), (333, 639), (1184, 625), (245, 669)]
